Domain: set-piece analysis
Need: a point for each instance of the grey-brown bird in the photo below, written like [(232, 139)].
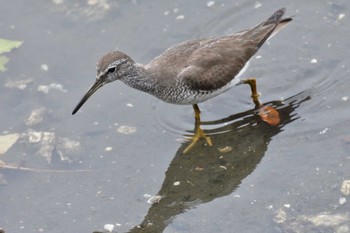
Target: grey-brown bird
[(193, 71)]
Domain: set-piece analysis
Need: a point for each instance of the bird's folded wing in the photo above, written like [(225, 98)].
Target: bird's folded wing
[(214, 66)]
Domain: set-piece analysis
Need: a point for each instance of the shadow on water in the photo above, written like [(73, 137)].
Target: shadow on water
[(206, 173)]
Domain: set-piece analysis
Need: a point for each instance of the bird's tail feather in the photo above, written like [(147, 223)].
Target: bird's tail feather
[(275, 19)]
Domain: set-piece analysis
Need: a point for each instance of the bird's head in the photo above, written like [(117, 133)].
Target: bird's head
[(112, 66)]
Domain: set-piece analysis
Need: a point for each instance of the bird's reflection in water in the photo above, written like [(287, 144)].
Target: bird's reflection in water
[(206, 173)]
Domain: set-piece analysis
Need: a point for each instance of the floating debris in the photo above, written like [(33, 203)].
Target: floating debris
[(225, 149), (36, 116), (345, 188), (20, 84), (57, 1), (342, 200), (280, 216), (341, 16), (108, 148), (13, 166), (44, 67), (7, 141), (326, 219), (7, 46), (313, 61), (180, 17), (108, 227), (154, 199), (257, 5), (322, 222), (345, 98), (210, 3), (270, 115), (176, 183), (92, 11), (125, 129), (324, 131), (47, 143), (53, 86), (66, 148)]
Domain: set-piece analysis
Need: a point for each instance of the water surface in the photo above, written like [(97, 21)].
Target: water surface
[(101, 165)]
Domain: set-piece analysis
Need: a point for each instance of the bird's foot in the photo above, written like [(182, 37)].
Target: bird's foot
[(196, 137)]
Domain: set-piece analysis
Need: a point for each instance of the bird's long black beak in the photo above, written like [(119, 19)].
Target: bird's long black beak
[(98, 83)]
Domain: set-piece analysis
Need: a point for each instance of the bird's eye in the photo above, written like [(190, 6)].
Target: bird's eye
[(111, 70)]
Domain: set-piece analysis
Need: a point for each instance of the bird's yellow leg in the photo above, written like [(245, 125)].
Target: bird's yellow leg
[(255, 95), (197, 113), (199, 133), (267, 113)]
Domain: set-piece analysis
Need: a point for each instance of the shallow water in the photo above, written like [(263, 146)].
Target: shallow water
[(100, 166)]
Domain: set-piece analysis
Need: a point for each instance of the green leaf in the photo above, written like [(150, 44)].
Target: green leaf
[(3, 61), (8, 45)]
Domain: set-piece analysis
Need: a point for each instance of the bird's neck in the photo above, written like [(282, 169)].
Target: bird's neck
[(138, 78)]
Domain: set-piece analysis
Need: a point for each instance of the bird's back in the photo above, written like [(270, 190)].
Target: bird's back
[(208, 64)]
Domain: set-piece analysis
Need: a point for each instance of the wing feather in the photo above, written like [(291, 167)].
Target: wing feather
[(210, 64)]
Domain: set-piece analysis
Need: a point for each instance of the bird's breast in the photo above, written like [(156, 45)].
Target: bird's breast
[(184, 96)]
